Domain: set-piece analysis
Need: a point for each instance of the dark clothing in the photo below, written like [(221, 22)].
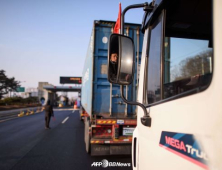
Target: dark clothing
[(47, 120), (48, 114), (48, 110), (113, 71)]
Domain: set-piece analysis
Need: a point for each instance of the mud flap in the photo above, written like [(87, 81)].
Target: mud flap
[(98, 150)]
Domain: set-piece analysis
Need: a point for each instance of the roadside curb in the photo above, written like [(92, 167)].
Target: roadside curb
[(28, 112)]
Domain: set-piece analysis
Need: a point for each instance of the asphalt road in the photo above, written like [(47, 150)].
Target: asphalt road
[(25, 144)]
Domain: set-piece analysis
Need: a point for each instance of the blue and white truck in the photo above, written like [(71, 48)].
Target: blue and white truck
[(109, 122)]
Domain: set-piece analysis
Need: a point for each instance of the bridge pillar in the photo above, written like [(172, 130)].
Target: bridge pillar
[(52, 97)]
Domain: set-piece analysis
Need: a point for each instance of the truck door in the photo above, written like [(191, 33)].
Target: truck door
[(177, 89)]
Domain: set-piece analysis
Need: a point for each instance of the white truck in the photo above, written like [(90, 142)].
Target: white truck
[(179, 119)]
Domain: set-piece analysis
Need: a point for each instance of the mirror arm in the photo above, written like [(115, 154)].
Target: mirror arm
[(143, 5), (146, 119)]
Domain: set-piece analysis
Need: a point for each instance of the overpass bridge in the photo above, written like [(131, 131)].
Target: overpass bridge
[(74, 88), (51, 91)]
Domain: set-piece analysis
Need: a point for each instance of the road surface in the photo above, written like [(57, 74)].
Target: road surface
[(25, 144)]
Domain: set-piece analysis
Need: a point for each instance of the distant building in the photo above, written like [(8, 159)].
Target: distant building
[(42, 93), (32, 92)]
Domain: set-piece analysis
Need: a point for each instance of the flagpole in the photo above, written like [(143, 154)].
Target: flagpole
[(120, 9)]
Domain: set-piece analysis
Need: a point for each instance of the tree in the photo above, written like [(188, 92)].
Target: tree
[(7, 84), (196, 65)]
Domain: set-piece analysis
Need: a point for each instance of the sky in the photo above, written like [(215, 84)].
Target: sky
[(41, 40)]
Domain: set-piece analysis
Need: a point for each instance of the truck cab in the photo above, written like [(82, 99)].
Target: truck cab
[(180, 90)]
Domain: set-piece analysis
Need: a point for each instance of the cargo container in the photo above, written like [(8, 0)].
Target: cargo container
[(109, 122)]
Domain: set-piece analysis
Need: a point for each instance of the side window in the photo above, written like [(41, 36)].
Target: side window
[(188, 51), (180, 54), (154, 62), (187, 65)]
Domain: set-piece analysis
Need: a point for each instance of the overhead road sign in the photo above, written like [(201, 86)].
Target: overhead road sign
[(20, 89), (70, 80)]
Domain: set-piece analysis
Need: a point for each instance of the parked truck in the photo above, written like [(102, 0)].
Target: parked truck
[(109, 122), (179, 117)]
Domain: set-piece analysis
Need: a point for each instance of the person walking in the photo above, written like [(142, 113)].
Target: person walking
[(48, 114)]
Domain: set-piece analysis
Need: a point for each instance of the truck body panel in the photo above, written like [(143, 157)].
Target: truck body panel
[(185, 131), (95, 97), (109, 123)]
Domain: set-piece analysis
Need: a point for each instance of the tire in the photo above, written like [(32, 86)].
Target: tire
[(87, 137)]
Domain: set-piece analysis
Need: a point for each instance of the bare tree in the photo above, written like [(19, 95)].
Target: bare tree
[(196, 65)]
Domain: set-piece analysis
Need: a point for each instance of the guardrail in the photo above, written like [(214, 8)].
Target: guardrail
[(20, 113)]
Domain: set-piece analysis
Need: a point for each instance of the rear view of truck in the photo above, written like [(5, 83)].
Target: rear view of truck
[(109, 122)]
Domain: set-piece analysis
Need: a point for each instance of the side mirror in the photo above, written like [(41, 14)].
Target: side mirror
[(121, 59)]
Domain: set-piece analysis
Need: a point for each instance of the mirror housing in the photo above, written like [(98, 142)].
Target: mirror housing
[(121, 59)]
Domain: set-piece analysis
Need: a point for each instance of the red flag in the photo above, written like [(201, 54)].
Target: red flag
[(118, 22)]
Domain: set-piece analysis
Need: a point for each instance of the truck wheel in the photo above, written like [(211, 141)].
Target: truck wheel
[(87, 137)]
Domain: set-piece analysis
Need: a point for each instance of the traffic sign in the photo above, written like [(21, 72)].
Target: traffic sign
[(20, 89), (70, 80)]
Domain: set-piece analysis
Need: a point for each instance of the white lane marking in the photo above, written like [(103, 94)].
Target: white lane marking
[(65, 120)]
